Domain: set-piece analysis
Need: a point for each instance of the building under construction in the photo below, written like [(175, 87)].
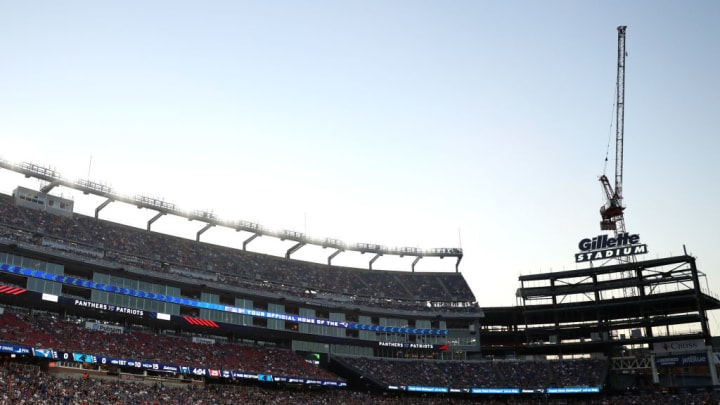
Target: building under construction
[(648, 318)]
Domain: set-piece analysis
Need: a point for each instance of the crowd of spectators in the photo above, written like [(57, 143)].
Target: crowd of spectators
[(497, 374), (28, 385), (571, 373), (72, 335), (46, 330), (22, 384), (152, 251)]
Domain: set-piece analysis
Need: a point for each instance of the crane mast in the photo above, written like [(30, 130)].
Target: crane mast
[(612, 211)]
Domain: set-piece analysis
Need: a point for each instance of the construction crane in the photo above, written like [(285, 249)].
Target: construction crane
[(612, 211)]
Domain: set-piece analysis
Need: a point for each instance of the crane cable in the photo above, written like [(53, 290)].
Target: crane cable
[(610, 130)]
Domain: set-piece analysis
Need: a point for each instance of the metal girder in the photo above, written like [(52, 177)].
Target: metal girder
[(373, 260), (417, 259), (457, 264), (294, 249), (46, 188), (153, 219), (201, 231), (630, 363), (101, 206), (250, 239), (332, 256)]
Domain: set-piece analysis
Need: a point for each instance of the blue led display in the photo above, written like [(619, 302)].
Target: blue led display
[(208, 305)]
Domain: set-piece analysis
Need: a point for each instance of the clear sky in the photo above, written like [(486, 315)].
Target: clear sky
[(480, 124)]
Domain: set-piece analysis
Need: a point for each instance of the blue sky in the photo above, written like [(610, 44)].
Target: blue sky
[(405, 123)]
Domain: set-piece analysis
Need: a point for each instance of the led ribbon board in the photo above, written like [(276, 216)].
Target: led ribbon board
[(7, 268)]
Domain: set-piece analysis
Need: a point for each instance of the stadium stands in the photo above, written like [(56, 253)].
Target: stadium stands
[(27, 384), (89, 237), (92, 241), (45, 330), (72, 335), (525, 374)]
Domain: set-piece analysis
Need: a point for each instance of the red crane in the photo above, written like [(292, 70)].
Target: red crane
[(613, 209)]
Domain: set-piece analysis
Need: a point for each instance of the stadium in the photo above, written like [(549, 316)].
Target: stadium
[(98, 311)]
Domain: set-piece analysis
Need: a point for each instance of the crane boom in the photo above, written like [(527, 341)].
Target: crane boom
[(612, 211), (620, 115)]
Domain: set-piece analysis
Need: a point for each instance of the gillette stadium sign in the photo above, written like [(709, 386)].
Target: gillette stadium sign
[(605, 247)]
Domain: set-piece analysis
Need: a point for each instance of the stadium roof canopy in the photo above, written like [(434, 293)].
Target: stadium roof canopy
[(54, 179)]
